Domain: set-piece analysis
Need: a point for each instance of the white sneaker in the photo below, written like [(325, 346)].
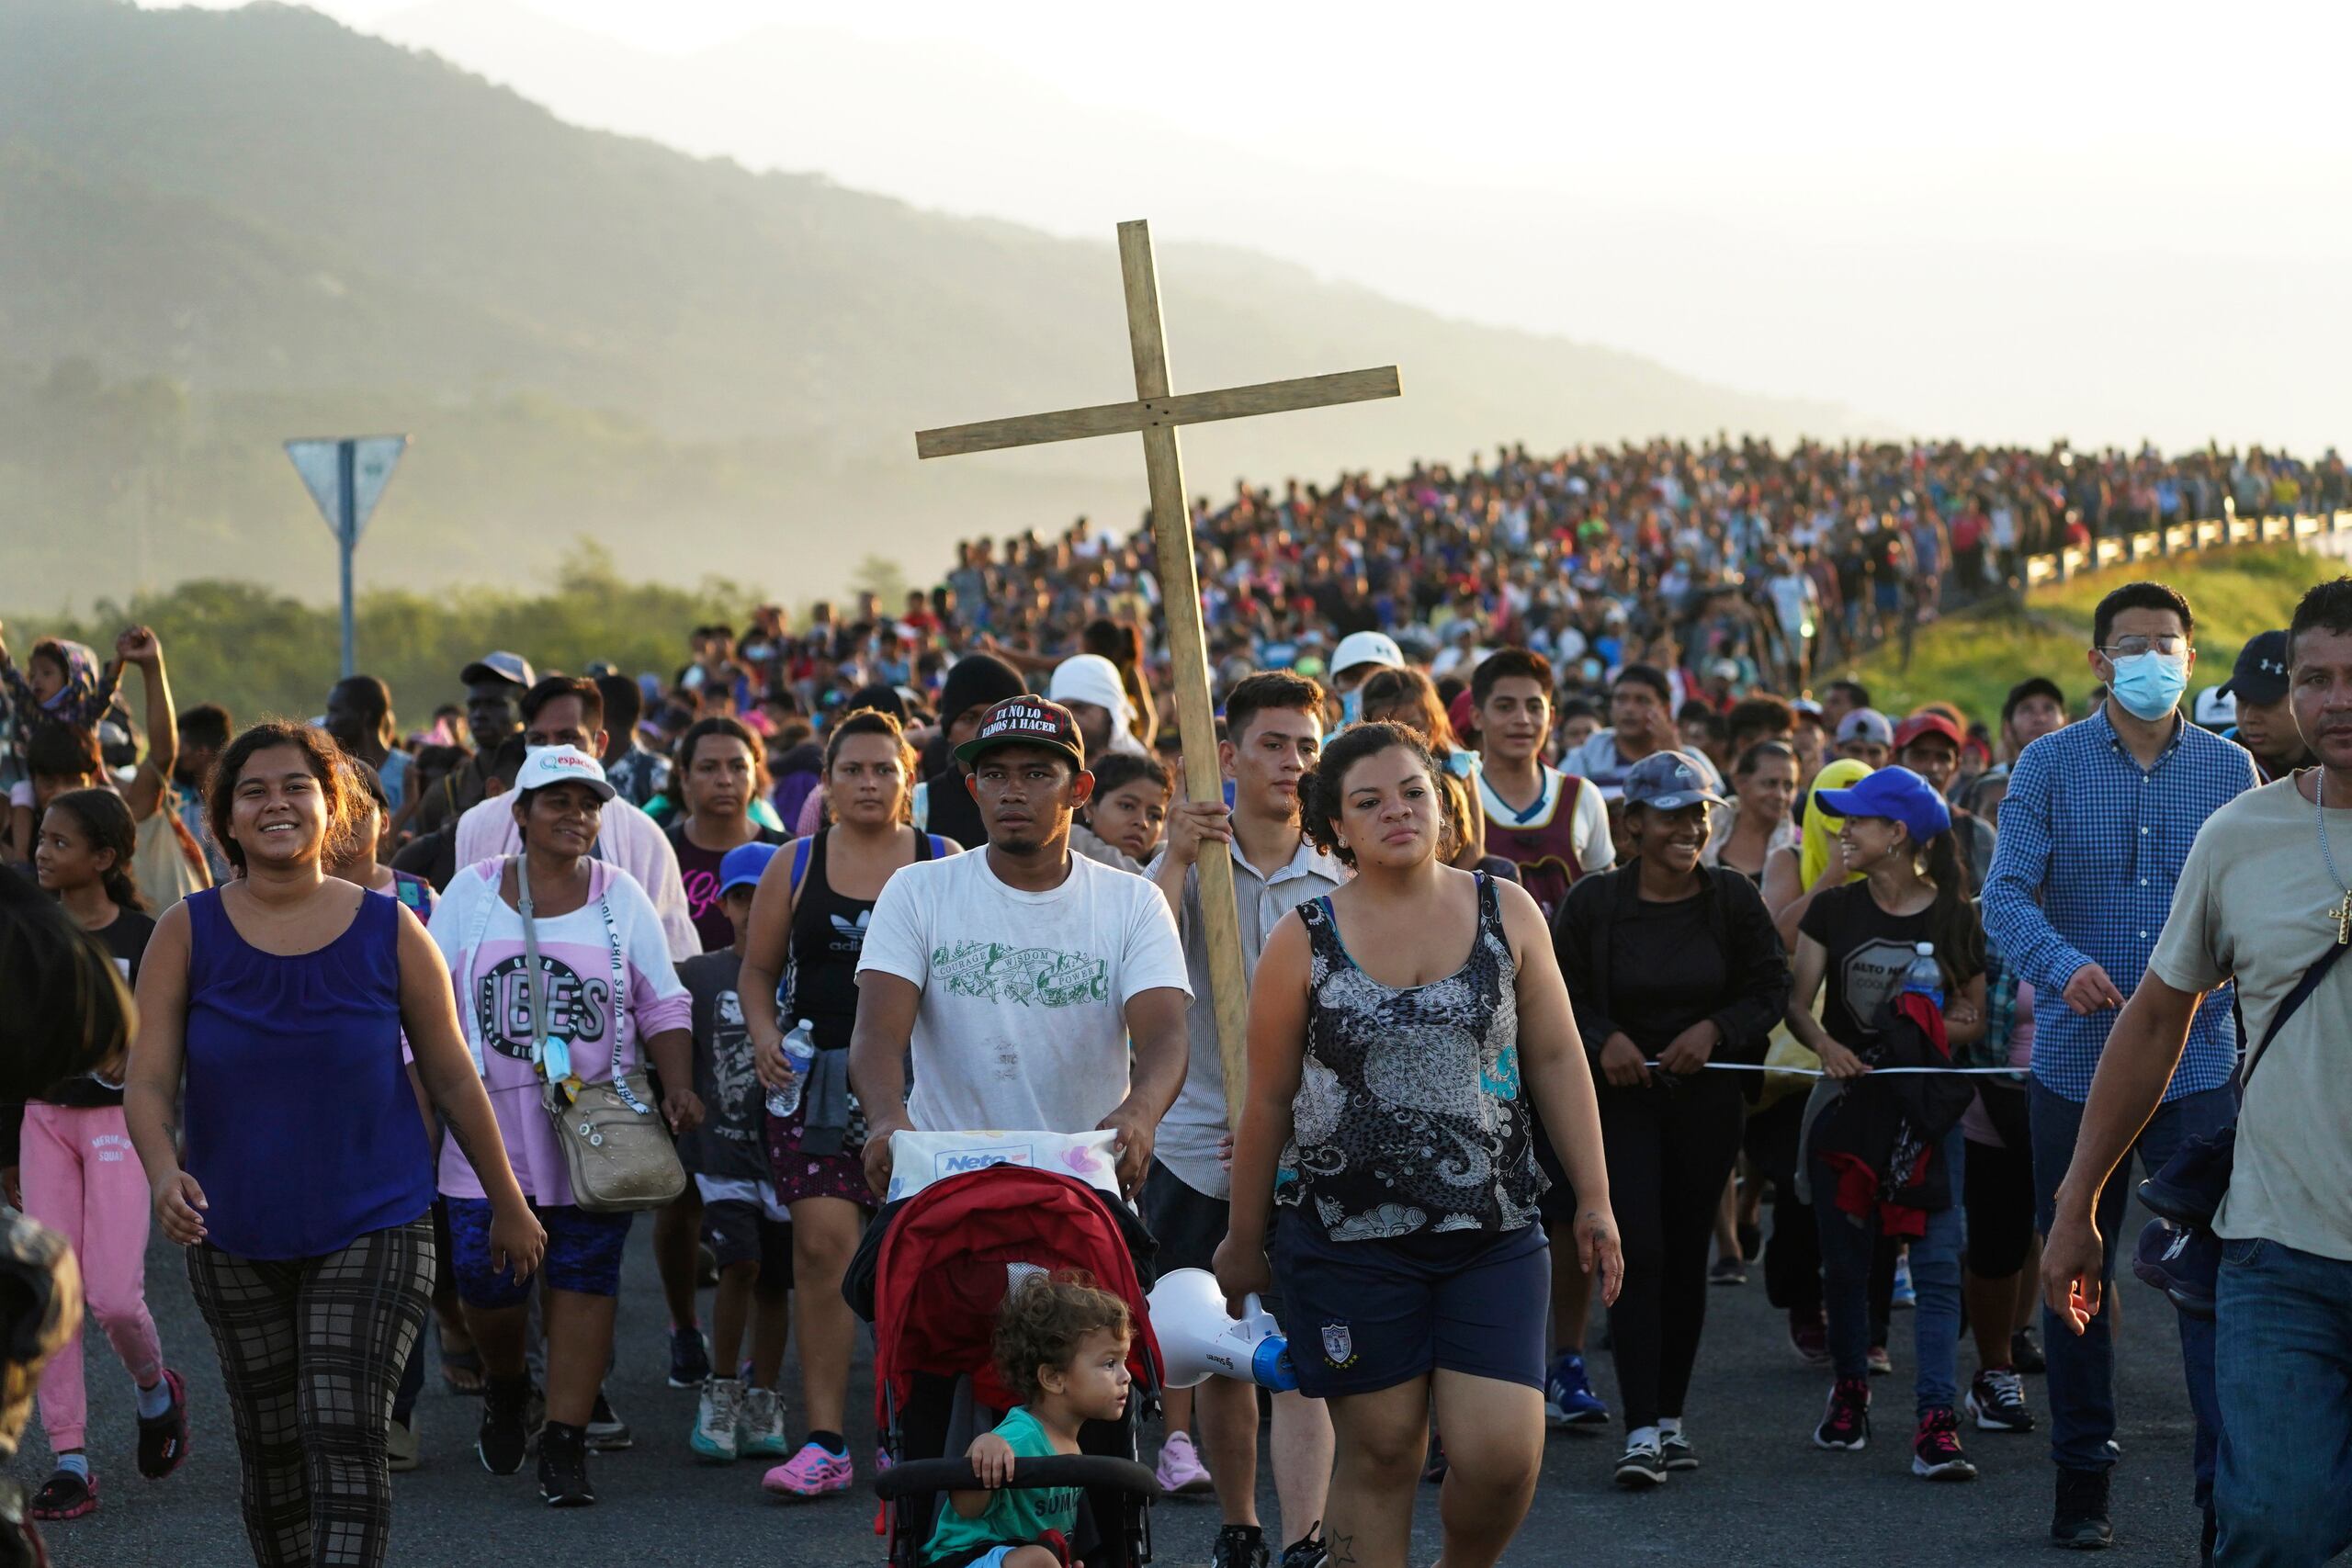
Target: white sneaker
[(718, 1435), (761, 1421)]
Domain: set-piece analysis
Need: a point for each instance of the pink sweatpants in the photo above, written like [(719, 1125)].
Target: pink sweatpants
[(83, 1180)]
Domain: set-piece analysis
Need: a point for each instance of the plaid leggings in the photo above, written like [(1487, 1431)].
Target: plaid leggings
[(311, 1350)]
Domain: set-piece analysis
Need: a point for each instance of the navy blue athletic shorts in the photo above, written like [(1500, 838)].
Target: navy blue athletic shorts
[(584, 1253), (1364, 1315)]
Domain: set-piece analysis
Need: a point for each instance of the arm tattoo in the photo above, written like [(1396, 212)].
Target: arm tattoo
[(457, 1130)]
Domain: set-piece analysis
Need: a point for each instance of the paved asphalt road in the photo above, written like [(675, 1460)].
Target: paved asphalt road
[(1766, 1495)]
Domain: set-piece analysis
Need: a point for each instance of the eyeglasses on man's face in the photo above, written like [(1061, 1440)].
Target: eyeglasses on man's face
[(2132, 647)]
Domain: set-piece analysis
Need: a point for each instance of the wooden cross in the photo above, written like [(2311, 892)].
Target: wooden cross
[(1156, 413)]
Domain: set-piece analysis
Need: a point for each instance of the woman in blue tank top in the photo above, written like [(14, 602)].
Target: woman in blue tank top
[(1400, 1030), (276, 1006)]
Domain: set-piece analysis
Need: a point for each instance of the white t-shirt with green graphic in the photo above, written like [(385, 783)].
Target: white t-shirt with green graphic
[(1022, 1025)]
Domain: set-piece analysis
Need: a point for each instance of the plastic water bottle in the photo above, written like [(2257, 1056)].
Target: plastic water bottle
[(799, 1050), (1925, 975)]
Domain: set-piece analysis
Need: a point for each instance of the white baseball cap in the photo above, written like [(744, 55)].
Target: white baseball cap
[(548, 765), (1366, 647)]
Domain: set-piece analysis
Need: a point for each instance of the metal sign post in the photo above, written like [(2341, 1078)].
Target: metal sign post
[(347, 476)]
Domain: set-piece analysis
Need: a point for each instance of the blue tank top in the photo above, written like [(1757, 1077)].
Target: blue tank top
[(300, 1123)]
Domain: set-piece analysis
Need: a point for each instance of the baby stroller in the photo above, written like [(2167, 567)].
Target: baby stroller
[(929, 1275)]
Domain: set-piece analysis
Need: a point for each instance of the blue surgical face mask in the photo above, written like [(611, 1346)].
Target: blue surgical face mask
[(2149, 685)]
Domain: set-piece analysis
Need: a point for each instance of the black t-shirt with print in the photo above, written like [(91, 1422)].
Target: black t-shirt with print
[(125, 940), (698, 872), (1869, 950)]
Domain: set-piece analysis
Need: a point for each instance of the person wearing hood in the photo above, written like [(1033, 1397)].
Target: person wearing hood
[(975, 683), (62, 684), (1089, 686)]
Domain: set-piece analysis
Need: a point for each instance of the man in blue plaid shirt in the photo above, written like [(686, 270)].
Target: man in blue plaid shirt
[(2099, 818)]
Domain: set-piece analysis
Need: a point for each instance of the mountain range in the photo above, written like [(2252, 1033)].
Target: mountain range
[(221, 229)]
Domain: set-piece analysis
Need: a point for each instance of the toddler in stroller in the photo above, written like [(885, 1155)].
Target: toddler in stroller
[(1061, 1344), (948, 1277)]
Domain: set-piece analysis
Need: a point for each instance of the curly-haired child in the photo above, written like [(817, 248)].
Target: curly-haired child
[(1061, 1344)]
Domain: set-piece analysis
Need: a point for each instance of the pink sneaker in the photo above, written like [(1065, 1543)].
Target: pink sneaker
[(811, 1473), (1181, 1473)]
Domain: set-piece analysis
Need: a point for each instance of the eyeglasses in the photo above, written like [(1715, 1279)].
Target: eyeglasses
[(2133, 647)]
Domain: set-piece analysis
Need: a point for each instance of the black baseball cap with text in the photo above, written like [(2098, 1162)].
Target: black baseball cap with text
[(1026, 721)]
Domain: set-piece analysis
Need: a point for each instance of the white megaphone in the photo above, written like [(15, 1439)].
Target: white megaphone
[(1198, 1341)]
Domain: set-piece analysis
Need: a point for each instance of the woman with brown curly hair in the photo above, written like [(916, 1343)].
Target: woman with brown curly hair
[(1391, 1017), (305, 1196)]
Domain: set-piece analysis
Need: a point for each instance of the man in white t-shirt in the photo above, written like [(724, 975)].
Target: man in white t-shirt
[(1018, 975)]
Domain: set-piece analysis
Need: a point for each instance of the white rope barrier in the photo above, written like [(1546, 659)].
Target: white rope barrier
[(2016, 1073)]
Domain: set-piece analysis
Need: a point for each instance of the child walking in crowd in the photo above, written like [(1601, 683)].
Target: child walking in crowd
[(1129, 811), (1061, 1344), (748, 1231), (1882, 1160), (76, 1172)]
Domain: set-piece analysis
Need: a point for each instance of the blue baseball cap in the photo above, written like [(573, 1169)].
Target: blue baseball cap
[(743, 864), (1668, 780), (1897, 794)]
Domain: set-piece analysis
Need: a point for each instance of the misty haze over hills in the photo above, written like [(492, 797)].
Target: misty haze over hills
[(301, 230), (2034, 225)]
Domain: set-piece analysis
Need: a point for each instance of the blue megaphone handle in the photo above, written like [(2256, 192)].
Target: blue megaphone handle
[(1270, 1365)]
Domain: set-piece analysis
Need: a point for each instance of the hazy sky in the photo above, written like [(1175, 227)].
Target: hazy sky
[(2003, 221)]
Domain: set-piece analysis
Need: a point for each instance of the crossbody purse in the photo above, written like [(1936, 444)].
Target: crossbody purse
[(618, 1154)]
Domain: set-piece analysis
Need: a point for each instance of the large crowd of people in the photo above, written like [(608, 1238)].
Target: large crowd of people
[(1586, 919)]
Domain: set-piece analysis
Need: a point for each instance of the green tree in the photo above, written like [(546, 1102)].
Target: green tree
[(883, 578)]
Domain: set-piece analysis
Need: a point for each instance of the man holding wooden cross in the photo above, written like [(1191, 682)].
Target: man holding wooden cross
[(1274, 735)]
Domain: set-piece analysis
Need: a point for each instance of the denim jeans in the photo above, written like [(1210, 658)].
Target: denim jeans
[(1846, 1247), (2283, 1354), (2082, 1368)]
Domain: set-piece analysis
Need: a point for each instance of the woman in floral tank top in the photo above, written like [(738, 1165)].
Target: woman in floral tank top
[(1399, 1031)]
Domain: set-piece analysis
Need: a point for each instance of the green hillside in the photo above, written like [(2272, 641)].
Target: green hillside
[(264, 225), (1972, 659)]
